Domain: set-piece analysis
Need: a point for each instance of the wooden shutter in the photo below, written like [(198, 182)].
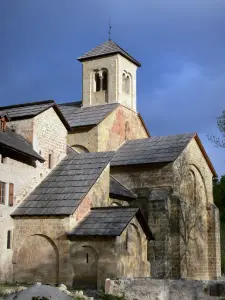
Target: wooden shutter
[(11, 194)]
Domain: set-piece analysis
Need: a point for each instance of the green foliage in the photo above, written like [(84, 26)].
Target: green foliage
[(219, 196), (219, 200), (104, 296)]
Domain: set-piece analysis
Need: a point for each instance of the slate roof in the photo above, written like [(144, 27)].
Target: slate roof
[(32, 109), (109, 221), (63, 189), (119, 191), (27, 109), (3, 113), (15, 142), (86, 116), (106, 49), (151, 150)]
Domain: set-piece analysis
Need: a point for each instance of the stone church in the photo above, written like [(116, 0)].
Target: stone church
[(86, 193)]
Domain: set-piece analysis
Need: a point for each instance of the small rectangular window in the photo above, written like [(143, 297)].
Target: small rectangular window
[(11, 194), (2, 193), (3, 158), (49, 161), (9, 238)]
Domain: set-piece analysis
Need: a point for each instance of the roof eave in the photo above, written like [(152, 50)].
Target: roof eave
[(205, 156), (38, 157), (131, 59), (144, 125)]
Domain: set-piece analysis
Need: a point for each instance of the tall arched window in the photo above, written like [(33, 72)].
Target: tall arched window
[(100, 80), (126, 84), (97, 82), (127, 131), (104, 80)]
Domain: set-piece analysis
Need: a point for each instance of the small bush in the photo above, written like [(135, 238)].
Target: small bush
[(104, 296), (40, 298)]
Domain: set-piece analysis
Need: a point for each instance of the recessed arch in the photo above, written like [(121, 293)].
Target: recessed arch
[(37, 259), (80, 148), (116, 203), (85, 266)]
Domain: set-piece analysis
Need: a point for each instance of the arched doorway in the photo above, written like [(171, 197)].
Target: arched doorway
[(85, 265), (37, 261)]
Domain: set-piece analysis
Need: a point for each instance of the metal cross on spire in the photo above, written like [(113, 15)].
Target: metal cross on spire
[(109, 32)]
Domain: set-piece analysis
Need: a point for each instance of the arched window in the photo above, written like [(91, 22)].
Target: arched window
[(97, 82), (127, 131), (104, 80), (100, 80), (80, 148), (127, 85), (126, 82)]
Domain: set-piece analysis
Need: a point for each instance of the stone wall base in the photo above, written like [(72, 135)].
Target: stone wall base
[(152, 289)]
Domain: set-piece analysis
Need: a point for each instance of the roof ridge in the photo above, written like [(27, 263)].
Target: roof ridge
[(27, 104)]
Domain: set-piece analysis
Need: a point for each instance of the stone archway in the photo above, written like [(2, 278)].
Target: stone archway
[(37, 260), (85, 266)]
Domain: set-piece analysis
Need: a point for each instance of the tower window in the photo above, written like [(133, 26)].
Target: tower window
[(97, 82), (126, 83), (104, 81), (101, 80)]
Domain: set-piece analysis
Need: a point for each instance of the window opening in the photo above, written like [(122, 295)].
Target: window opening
[(97, 82), (104, 81), (3, 159), (87, 258), (50, 161), (9, 237), (11, 194), (2, 193)]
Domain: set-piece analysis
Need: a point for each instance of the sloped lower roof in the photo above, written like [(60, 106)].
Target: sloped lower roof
[(17, 143), (32, 109), (64, 188), (110, 221), (119, 191), (105, 49), (86, 116), (151, 150)]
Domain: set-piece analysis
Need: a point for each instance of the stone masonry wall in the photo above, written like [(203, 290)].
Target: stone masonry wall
[(132, 252), (152, 289), (128, 100), (193, 181), (85, 137), (26, 175), (121, 125), (115, 65), (41, 250), (48, 235), (50, 137), (109, 63)]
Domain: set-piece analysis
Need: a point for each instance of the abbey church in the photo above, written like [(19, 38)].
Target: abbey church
[(87, 193)]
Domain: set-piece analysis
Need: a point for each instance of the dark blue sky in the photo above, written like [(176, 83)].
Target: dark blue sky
[(180, 43)]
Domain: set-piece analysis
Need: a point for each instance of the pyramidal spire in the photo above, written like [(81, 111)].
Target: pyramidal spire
[(107, 48)]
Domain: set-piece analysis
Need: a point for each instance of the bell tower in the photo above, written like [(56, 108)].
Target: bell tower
[(109, 76)]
